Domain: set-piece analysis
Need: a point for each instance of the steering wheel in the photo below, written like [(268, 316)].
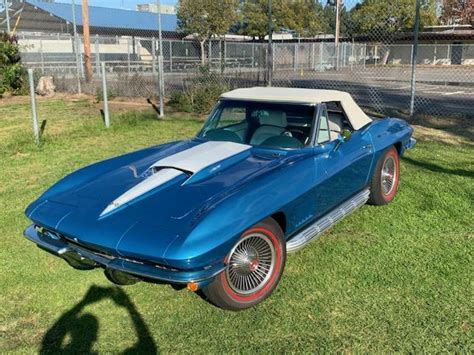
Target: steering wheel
[(299, 134)]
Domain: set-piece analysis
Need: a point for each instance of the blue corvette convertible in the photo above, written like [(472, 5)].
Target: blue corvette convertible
[(271, 169)]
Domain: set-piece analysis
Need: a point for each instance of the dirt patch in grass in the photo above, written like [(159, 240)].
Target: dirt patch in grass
[(433, 134)]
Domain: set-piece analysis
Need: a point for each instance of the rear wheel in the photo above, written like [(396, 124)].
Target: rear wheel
[(386, 177), (255, 266)]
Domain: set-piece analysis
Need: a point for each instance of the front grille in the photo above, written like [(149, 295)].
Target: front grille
[(58, 236)]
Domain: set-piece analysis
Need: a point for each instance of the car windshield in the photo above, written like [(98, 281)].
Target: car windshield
[(266, 124)]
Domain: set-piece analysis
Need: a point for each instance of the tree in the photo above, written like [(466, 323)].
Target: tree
[(347, 23), (206, 18), (383, 18), (457, 12), (301, 16), (306, 18), (12, 73)]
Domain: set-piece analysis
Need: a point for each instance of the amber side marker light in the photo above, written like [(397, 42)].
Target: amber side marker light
[(193, 286)]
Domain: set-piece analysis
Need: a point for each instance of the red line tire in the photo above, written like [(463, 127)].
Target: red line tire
[(255, 266), (384, 184)]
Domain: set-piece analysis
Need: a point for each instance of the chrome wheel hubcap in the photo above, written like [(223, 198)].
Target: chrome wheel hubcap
[(389, 175), (251, 263)]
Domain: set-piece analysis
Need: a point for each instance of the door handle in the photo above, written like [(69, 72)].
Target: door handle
[(367, 146)]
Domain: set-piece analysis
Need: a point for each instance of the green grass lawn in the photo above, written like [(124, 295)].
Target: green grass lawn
[(394, 278)]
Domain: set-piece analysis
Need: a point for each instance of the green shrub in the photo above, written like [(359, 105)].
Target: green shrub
[(12, 72), (181, 102), (200, 93), (99, 94)]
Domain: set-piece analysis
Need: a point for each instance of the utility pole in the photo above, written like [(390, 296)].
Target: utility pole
[(87, 40), (160, 62), (414, 56), (270, 46), (7, 14)]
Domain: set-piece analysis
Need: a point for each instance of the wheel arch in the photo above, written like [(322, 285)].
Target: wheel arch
[(398, 146), (280, 218)]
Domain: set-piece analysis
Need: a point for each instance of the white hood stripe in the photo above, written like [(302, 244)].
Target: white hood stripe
[(201, 156), (159, 178), (192, 160)]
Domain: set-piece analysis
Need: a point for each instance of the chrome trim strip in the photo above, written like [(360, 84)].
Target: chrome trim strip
[(317, 228)]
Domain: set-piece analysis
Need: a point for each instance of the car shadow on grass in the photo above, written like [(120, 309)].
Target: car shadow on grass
[(438, 169), (76, 332)]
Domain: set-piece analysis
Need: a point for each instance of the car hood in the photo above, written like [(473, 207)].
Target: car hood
[(147, 201)]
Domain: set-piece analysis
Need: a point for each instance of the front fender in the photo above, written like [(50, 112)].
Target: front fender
[(390, 131), (214, 235)]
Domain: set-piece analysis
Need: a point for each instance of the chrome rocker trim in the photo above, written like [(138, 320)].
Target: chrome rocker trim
[(317, 228), (82, 258)]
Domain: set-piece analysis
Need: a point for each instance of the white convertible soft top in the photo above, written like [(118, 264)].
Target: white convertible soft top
[(354, 113)]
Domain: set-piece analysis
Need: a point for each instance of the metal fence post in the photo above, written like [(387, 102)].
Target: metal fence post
[(7, 15), (106, 98), (253, 54), (97, 54), (171, 56), (34, 113), (273, 57), (220, 52), (414, 53), (161, 85), (128, 56), (352, 55), (76, 48), (209, 53), (81, 59), (42, 56), (365, 53), (295, 57), (312, 57), (344, 54), (225, 54), (153, 56), (321, 48)]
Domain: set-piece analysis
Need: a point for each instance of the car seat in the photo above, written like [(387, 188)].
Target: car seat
[(272, 123)]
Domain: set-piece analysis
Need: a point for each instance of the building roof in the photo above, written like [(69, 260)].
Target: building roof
[(354, 113), (109, 17)]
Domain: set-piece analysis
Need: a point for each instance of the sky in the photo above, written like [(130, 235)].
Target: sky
[(121, 4), (131, 4)]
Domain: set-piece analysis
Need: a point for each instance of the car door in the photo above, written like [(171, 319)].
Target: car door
[(342, 166)]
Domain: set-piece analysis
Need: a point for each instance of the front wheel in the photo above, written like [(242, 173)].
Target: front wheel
[(384, 183), (255, 265)]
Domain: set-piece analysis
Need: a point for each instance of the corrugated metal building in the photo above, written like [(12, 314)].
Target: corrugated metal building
[(40, 16)]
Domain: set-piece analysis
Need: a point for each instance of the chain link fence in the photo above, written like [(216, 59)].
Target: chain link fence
[(376, 70)]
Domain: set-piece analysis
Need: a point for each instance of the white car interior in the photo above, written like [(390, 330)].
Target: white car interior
[(280, 125)]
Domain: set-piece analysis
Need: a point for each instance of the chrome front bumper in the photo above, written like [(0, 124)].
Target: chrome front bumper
[(82, 258)]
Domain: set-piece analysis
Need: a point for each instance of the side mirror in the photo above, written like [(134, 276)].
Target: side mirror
[(341, 138), (346, 135)]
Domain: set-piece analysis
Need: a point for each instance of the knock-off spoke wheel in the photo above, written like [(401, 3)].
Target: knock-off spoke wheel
[(251, 264), (384, 184), (254, 268), (389, 175)]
